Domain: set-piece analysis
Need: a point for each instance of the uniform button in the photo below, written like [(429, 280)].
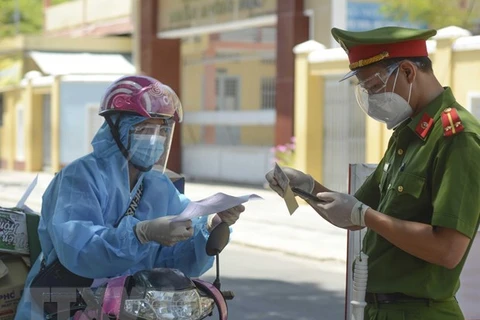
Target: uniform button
[(400, 188), (447, 110), (400, 152), (424, 125)]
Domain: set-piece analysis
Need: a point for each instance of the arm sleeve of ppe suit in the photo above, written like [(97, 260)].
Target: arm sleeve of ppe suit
[(188, 256), (84, 244)]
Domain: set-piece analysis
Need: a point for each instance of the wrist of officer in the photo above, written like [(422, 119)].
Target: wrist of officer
[(358, 214)]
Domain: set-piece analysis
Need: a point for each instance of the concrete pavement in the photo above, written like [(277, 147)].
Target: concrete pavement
[(266, 224)]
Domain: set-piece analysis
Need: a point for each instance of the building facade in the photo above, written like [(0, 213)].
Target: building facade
[(232, 64), (50, 90)]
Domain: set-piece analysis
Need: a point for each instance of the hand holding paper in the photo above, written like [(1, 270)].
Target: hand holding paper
[(217, 203)]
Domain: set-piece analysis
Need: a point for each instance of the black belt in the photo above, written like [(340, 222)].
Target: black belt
[(390, 298)]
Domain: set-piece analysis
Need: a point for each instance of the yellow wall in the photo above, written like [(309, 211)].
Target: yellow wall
[(322, 19), (31, 102), (13, 52), (250, 73), (191, 94), (33, 116), (55, 121), (465, 74), (9, 128), (257, 135), (192, 79), (65, 44)]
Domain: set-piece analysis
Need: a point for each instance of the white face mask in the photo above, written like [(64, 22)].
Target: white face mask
[(389, 107)]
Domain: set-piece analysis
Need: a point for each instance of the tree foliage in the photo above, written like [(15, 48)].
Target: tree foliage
[(434, 13), (30, 16)]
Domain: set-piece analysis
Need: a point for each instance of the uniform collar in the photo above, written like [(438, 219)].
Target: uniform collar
[(423, 122)]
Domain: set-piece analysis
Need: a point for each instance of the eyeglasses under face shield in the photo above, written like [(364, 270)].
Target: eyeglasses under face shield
[(374, 85), (149, 143)]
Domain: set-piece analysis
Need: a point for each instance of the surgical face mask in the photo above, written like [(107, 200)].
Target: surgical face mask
[(146, 150), (387, 107), (148, 143)]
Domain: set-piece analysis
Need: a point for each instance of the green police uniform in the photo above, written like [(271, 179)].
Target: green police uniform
[(429, 174)]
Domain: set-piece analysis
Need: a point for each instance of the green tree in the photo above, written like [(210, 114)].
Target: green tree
[(434, 13), (30, 16)]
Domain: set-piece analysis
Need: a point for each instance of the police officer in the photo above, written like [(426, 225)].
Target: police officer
[(422, 204)]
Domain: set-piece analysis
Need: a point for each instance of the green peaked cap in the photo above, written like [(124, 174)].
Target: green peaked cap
[(368, 47), (381, 35)]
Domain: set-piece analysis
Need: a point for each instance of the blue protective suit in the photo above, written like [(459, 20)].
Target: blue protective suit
[(87, 198)]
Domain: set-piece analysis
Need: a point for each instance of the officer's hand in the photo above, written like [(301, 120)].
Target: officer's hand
[(297, 179), (162, 230), (341, 209), (229, 216)]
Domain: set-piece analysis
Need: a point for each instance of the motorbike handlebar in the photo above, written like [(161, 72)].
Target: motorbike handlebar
[(228, 295)]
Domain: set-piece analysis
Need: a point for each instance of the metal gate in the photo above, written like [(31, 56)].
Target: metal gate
[(344, 133)]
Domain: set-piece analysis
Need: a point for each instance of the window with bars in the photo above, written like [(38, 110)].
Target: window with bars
[(267, 93), (228, 99), (228, 92)]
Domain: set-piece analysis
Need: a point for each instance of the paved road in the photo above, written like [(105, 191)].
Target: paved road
[(275, 286)]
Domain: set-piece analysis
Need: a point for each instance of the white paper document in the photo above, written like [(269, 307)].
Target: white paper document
[(213, 204), (27, 193), (284, 183)]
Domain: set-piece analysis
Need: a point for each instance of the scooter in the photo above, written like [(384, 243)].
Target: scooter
[(158, 294)]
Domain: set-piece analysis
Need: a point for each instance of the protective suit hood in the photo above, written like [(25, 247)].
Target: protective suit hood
[(104, 144)]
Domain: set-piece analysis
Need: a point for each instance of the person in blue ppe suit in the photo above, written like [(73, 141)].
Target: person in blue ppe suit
[(108, 214)]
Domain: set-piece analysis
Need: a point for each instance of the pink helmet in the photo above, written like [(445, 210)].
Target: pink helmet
[(142, 95)]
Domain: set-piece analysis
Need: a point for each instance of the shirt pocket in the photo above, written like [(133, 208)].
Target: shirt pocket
[(383, 180), (404, 195)]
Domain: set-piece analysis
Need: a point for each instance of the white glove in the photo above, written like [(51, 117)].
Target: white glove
[(229, 216), (297, 179), (341, 209), (163, 231)]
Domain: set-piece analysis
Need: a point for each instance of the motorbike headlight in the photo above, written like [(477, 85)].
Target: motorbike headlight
[(170, 305)]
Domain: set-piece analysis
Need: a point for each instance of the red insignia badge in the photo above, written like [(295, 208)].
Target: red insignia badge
[(451, 122), (424, 126)]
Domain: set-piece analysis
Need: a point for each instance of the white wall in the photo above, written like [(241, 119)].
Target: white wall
[(74, 99), (240, 164)]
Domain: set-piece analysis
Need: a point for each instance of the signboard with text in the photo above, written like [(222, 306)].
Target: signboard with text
[(179, 14)]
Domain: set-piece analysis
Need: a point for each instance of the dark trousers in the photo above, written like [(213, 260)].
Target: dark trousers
[(415, 310)]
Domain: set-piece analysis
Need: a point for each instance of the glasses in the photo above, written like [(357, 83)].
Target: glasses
[(151, 129), (376, 82)]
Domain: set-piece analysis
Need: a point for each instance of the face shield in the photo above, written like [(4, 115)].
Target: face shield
[(372, 91), (149, 144), (382, 105)]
